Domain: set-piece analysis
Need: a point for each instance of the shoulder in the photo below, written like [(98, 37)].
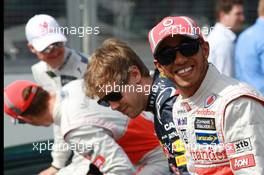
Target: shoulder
[(77, 56), (40, 66), (233, 89), (166, 92)]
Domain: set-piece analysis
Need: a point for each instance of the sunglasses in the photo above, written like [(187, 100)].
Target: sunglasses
[(112, 96), (53, 46), (167, 55)]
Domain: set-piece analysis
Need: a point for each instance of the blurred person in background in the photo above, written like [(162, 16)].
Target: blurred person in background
[(230, 17), (249, 53), (57, 66)]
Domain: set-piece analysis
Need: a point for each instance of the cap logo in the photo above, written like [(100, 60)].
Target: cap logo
[(167, 22), (44, 27)]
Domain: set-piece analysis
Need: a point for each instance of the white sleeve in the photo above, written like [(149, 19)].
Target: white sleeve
[(77, 167), (60, 154), (35, 74), (244, 134), (222, 58), (99, 148)]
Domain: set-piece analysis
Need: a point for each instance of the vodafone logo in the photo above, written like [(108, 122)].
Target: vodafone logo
[(243, 162)]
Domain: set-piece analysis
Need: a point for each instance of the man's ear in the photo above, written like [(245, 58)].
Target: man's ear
[(205, 49), (25, 119), (159, 67), (134, 75), (31, 48)]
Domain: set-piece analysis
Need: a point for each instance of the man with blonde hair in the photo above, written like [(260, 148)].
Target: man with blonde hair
[(121, 80)]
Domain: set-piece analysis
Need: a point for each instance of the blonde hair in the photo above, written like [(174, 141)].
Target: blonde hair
[(110, 64)]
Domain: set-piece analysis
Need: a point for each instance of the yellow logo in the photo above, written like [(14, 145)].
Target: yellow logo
[(178, 146), (181, 160)]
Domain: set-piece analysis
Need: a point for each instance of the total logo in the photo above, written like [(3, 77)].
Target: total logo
[(243, 162)]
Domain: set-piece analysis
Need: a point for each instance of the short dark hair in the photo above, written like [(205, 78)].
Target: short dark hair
[(225, 6), (39, 104)]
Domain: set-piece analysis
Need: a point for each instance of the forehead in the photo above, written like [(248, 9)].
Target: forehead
[(236, 9)]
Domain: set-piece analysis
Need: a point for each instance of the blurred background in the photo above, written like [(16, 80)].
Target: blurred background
[(128, 20)]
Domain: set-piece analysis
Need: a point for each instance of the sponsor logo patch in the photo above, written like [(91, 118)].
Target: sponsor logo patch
[(184, 135), (181, 160), (204, 123), (178, 146), (205, 112), (186, 106), (169, 126), (238, 146), (206, 138), (243, 162), (210, 100), (182, 121), (208, 154), (99, 161)]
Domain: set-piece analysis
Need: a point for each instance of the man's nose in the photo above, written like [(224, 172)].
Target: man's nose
[(180, 59), (114, 105)]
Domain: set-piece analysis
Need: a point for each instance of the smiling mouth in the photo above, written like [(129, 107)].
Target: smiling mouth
[(123, 110), (184, 71)]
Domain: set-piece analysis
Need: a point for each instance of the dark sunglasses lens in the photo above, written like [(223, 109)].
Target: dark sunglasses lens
[(114, 96), (59, 44), (189, 49), (103, 103), (166, 56)]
